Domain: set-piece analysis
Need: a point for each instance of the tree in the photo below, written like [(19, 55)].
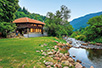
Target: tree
[(57, 24), (7, 15), (94, 30), (5, 28), (91, 32), (7, 10)]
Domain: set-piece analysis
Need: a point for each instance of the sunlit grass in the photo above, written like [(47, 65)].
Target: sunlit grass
[(18, 52)]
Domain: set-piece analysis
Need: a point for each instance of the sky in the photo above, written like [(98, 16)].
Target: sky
[(78, 7)]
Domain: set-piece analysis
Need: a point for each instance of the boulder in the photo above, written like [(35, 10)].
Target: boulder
[(85, 44), (48, 63), (98, 44), (67, 54), (57, 66), (65, 62), (50, 53), (44, 54), (60, 54), (66, 67), (64, 58), (45, 44), (42, 45), (74, 56), (56, 42), (78, 61), (78, 65), (70, 60), (54, 52), (55, 47), (56, 55), (37, 51), (70, 64), (49, 66), (91, 67), (56, 58), (58, 51), (70, 42)]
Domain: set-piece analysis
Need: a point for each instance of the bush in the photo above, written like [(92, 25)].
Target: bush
[(80, 37)]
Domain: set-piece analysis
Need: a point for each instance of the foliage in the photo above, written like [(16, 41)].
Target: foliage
[(6, 27), (98, 40), (7, 14), (25, 13), (57, 24), (7, 10), (91, 32)]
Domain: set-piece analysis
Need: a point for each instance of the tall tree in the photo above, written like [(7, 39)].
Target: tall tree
[(7, 15), (57, 24), (7, 10)]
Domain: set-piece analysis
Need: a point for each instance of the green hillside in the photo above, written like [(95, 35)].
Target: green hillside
[(82, 21)]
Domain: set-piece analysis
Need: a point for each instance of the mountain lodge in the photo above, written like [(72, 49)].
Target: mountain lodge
[(26, 25)]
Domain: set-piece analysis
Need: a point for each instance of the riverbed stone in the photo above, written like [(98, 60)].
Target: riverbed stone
[(56, 58), (64, 58), (74, 56), (78, 61), (42, 45), (57, 66), (78, 65), (37, 51), (48, 63), (41, 50), (67, 54), (70, 60), (65, 67), (85, 44), (70, 42), (60, 54), (50, 53), (65, 62), (98, 44), (91, 67), (44, 54), (49, 66), (55, 47), (70, 64)]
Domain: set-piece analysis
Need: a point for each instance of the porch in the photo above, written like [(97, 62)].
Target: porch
[(37, 34)]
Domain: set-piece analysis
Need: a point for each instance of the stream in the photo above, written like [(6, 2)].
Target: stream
[(89, 57)]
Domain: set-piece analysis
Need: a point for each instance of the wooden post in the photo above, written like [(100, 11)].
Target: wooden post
[(28, 32), (42, 30)]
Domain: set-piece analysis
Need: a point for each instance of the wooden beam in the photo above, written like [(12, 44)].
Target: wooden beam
[(42, 30), (28, 32)]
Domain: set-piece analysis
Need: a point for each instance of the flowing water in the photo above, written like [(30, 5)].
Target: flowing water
[(89, 57)]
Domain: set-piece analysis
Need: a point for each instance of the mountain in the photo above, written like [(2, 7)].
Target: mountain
[(82, 21)]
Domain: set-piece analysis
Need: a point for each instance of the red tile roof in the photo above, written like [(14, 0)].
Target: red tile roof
[(26, 19)]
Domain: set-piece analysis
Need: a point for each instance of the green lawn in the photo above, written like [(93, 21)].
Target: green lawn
[(15, 53)]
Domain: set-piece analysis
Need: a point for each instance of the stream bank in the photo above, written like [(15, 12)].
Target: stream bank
[(90, 55)]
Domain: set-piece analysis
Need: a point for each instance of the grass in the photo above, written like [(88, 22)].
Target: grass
[(16, 52)]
